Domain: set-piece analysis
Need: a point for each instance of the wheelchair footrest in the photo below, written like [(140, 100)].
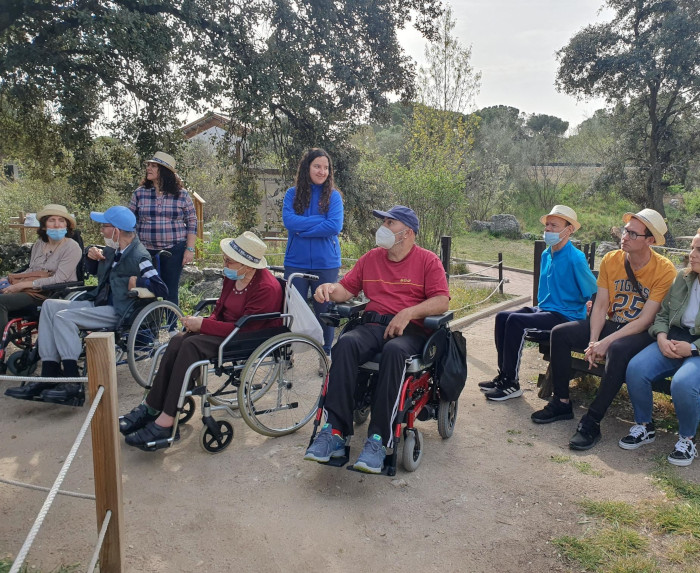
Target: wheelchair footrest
[(384, 472), (340, 461)]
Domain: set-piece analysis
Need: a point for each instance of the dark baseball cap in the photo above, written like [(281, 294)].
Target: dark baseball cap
[(400, 213)]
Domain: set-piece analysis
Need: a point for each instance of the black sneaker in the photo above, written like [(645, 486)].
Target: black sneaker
[(684, 453), (639, 435), (587, 434), (490, 384), (554, 411), (505, 390)]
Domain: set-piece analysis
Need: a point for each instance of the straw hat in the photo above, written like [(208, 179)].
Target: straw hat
[(653, 221), (566, 213), (247, 249), (54, 209), (161, 158)]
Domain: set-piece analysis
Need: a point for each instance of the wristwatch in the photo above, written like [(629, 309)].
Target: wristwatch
[(694, 350), (190, 249)]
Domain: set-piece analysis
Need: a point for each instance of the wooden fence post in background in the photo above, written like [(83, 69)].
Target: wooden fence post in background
[(539, 249), (199, 211), (446, 253), (106, 450)]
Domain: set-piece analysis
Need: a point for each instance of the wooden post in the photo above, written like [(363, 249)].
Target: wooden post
[(539, 249), (500, 273), (446, 253), (199, 210), (22, 229), (106, 451)]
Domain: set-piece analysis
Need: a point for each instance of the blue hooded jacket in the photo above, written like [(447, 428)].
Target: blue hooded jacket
[(312, 241)]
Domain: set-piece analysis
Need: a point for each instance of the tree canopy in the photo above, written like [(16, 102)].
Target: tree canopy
[(646, 61)]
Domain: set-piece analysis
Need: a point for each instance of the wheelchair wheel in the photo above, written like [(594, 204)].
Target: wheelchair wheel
[(278, 395), (20, 363), (188, 409), (213, 445), (412, 453), (447, 418), (360, 415), (153, 327)]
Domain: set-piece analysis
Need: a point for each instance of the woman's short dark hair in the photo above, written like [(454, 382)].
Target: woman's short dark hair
[(302, 195), (170, 183), (41, 231)]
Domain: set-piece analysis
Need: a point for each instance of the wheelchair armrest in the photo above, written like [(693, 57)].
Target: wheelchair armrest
[(436, 321), (205, 302), (267, 316), (350, 310), (140, 292), (537, 335), (276, 269), (61, 286)]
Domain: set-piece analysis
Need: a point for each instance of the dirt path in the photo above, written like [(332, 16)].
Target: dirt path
[(488, 499)]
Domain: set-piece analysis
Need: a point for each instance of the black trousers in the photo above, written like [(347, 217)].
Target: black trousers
[(357, 347), (576, 335), (509, 332)]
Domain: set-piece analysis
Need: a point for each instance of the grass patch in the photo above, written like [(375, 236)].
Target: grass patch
[(465, 301), (600, 548), (584, 467), (6, 565), (485, 247), (613, 511), (680, 518)]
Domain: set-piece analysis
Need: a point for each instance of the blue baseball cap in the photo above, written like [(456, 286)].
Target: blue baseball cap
[(400, 213), (118, 216)]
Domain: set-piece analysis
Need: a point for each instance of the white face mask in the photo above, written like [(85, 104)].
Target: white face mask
[(111, 242), (385, 238)]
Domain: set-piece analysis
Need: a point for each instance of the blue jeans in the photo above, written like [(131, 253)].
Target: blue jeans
[(304, 285), (170, 269), (650, 365)]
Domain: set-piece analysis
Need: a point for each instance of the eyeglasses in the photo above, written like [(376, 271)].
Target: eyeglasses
[(634, 236)]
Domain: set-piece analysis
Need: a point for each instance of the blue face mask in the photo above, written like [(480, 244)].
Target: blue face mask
[(233, 274), (56, 234), (551, 239)]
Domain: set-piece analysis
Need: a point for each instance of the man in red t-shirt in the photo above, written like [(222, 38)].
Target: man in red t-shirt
[(404, 283)]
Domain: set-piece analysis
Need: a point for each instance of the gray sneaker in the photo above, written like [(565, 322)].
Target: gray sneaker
[(371, 459), (327, 445)]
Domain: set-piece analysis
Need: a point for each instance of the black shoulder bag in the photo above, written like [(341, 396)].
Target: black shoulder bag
[(633, 279)]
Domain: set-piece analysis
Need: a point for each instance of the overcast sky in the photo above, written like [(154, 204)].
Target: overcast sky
[(514, 43)]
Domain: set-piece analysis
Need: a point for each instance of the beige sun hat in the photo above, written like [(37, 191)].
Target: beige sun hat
[(247, 249), (58, 210), (653, 221), (566, 213), (162, 158)]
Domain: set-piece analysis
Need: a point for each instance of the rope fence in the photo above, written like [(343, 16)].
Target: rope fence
[(101, 419), (466, 306)]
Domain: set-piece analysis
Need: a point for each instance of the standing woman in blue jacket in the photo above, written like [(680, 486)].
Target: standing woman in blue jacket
[(313, 216)]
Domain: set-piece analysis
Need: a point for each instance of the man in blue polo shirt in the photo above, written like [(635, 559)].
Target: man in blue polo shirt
[(566, 284)]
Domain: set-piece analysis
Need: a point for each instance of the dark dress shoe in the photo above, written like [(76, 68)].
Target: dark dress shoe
[(68, 394), (29, 391)]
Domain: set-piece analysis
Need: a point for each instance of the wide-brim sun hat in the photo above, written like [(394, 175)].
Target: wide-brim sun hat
[(400, 213), (653, 221), (118, 216), (563, 212), (164, 159), (246, 249), (58, 210)]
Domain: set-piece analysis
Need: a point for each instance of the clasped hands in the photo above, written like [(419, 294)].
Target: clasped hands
[(192, 323), (674, 348)]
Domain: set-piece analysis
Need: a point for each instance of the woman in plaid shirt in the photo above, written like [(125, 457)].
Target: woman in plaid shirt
[(166, 219)]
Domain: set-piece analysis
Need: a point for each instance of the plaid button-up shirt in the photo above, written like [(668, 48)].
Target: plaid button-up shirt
[(163, 221)]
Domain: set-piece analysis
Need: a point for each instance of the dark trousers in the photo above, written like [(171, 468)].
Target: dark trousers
[(170, 269), (16, 304), (510, 330), (183, 350), (576, 335), (304, 285), (357, 347)]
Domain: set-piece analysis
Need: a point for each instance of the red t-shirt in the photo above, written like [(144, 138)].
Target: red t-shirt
[(392, 286), (263, 294)]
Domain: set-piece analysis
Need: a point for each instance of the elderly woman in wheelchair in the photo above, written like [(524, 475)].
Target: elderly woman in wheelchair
[(248, 289)]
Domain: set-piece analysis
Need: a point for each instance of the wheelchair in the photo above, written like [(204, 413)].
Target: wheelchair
[(145, 326), (273, 380), (419, 396)]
